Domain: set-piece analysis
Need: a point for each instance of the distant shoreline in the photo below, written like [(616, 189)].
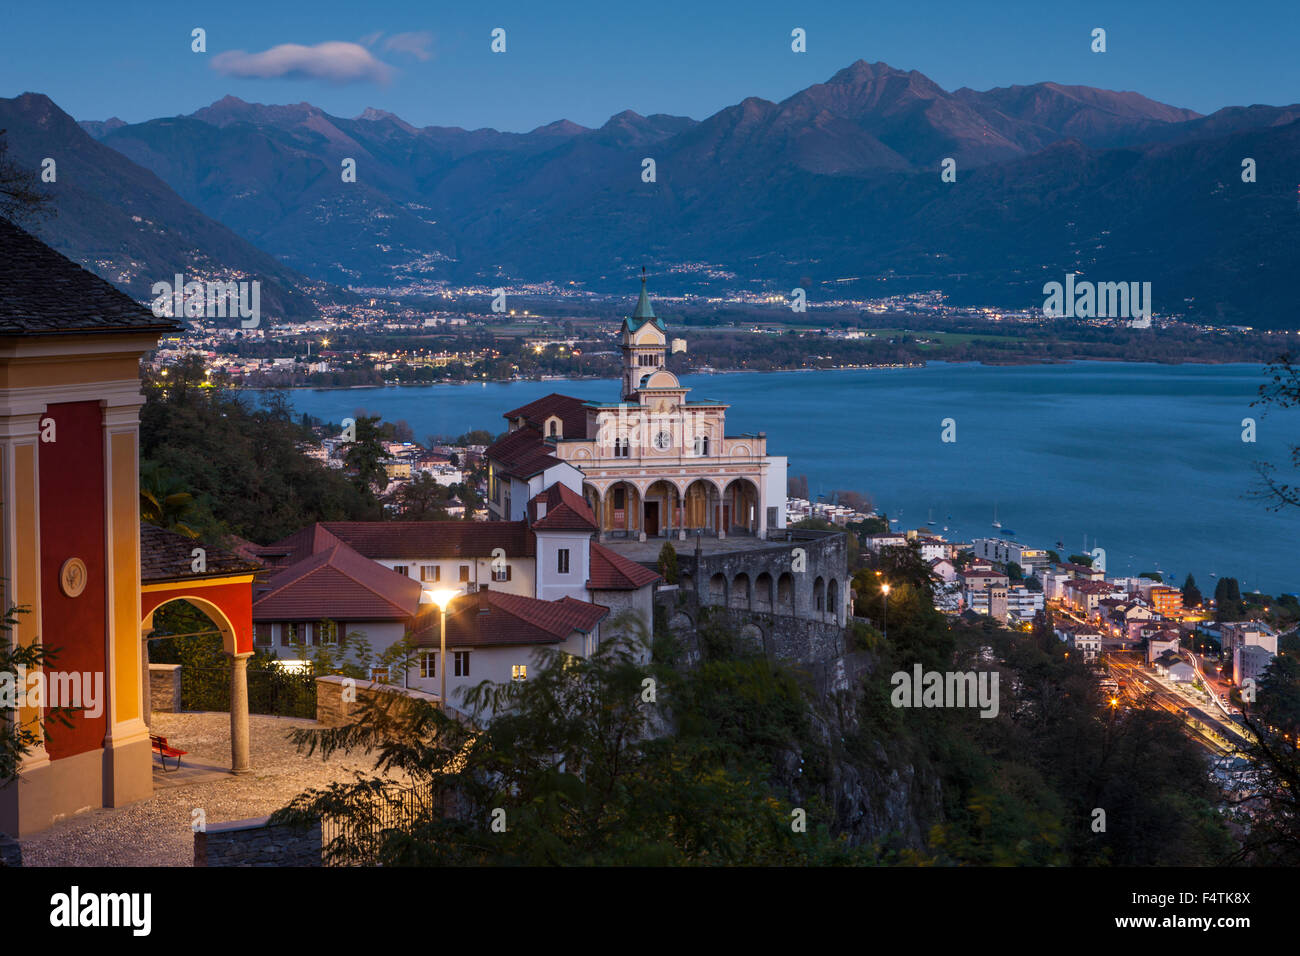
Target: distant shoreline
[(729, 371)]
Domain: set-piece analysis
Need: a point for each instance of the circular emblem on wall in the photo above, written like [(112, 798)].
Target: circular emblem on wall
[(72, 577)]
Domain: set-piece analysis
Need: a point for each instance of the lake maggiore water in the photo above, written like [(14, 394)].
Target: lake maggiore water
[(1146, 461)]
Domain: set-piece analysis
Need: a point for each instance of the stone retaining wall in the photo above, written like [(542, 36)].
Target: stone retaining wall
[(254, 842), (333, 711), (165, 687)]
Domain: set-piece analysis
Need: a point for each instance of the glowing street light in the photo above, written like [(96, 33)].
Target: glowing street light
[(884, 617), (442, 598)]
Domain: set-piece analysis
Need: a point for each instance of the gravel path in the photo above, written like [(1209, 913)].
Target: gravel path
[(157, 831)]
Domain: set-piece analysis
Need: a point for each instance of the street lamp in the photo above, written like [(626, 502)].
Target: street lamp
[(884, 617), (441, 598)]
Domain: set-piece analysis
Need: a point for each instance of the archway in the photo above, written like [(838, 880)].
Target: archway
[(700, 506), (819, 595), (785, 594), (661, 510), (621, 514), (763, 593), (833, 599), (718, 589), (740, 507), (220, 584), (740, 593)]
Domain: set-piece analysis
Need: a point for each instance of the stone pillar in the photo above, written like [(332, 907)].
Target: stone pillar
[(146, 683), (239, 712)]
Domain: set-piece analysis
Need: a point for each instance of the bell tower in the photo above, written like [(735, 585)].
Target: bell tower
[(644, 344)]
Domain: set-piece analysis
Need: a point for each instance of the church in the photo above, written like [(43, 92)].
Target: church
[(654, 464)]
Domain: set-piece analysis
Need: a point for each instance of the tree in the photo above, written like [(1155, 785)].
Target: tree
[(1083, 559), (1015, 572), (164, 502), (668, 562), (570, 759), (402, 431), (1153, 576), (797, 486), (1191, 593), (420, 499), (17, 739), (1281, 392), (855, 500), (364, 458), (21, 197), (1054, 557), (242, 463)]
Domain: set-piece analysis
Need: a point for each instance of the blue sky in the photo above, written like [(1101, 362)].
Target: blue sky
[(430, 62)]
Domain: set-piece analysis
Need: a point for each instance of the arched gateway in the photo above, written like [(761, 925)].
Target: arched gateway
[(220, 584)]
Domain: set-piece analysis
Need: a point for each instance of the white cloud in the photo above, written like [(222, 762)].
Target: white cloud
[(414, 44), (336, 62)]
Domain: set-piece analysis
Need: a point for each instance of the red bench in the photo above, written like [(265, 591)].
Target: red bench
[(165, 750)]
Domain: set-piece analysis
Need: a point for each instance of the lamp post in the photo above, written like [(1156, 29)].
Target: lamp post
[(442, 599), (884, 617)]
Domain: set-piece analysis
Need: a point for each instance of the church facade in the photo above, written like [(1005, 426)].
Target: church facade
[(656, 463)]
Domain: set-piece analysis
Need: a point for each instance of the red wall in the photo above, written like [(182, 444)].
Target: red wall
[(72, 494), (235, 601)]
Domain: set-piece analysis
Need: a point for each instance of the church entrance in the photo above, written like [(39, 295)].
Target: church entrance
[(651, 518)]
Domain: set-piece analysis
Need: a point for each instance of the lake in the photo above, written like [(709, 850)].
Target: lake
[(1144, 461)]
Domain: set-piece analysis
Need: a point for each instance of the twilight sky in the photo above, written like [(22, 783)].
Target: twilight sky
[(431, 62)]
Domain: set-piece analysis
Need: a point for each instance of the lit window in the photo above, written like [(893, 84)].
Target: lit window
[(519, 672)]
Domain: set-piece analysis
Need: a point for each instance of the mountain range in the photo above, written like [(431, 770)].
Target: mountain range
[(836, 188)]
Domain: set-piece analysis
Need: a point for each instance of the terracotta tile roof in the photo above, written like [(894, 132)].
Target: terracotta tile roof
[(408, 539), (169, 556), (339, 584), (435, 539), (45, 293), (522, 453), (610, 571), (494, 618), (566, 510), (301, 544), (571, 411)]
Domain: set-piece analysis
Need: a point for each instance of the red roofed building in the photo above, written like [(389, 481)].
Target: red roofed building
[(534, 582), (494, 636), (653, 464), (335, 590)]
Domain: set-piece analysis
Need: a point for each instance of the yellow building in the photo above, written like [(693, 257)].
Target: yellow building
[(70, 347)]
